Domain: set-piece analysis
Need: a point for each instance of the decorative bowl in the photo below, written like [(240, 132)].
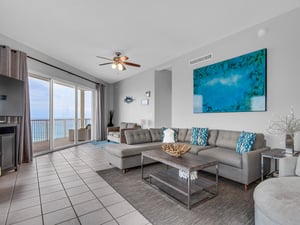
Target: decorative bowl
[(176, 149)]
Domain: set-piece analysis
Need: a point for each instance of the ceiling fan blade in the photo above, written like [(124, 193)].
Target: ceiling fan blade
[(102, 64), (132, 64), (104, 58), (123, 58)]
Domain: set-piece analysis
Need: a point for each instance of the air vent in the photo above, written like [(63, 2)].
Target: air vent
[(201, 59)]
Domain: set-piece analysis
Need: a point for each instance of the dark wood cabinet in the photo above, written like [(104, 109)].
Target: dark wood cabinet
[(8, 147)]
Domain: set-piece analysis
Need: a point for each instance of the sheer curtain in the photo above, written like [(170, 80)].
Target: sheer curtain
[(14, 64), (100, 117)]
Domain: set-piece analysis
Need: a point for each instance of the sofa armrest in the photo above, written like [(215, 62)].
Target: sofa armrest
[(122, 134), (113, 129), (251, 162), (287, 166)]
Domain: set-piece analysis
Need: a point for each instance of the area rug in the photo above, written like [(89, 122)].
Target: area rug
[(102, 144), (232, 205)]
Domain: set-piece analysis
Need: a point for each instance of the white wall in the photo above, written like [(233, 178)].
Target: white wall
[(163, 98), (135, 87), (283, 78)]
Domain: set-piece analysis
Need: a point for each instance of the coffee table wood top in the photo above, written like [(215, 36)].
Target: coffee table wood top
[(188, 162)]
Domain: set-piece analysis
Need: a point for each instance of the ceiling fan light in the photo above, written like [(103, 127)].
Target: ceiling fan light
[(120, 67), (114, 65)]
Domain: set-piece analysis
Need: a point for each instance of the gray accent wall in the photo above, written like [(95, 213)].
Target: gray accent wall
[(163, 98), (283, 79)]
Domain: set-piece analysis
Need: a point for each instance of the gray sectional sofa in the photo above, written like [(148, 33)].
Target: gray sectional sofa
[(243, 168)]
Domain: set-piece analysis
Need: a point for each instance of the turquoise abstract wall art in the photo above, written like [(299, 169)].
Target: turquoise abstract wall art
[(233, 85)]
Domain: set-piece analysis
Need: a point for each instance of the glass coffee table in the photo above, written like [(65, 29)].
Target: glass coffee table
[(187, 191)]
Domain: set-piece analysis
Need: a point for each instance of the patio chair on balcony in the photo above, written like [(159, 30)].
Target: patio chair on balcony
[(84, 134)]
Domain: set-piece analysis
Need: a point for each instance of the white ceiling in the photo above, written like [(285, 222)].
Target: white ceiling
[(148, 32)]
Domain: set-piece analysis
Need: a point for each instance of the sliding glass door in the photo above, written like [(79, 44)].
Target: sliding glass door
[(40, 113), (84, 114), (61, 114)]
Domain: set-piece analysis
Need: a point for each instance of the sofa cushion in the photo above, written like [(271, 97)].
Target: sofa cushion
[(224, 156), (181, 134), (123, 125), (245, 142), (188, 136), (156, 134), (197, 148), (228, 139), (124, 150), (260, 141), (212, 137), (199, 136), (131, 125), (137, 136)]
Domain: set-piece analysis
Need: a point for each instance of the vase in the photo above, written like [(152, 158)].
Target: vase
[(289, 143)]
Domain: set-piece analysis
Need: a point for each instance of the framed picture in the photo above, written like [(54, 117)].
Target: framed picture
[(233, 85)]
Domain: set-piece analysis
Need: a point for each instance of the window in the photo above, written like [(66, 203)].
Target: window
[(54, 110)]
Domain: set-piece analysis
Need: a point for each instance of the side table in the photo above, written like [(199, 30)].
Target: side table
[(274, 153)]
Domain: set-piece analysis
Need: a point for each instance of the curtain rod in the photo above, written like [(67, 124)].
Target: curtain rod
[(56, 67)]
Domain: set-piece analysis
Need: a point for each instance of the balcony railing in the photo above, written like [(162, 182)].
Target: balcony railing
[(61, 127)]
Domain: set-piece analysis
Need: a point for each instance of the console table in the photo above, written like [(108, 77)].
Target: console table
[(8, 147)]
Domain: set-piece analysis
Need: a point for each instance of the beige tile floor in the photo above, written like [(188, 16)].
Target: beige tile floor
[(63, 188)]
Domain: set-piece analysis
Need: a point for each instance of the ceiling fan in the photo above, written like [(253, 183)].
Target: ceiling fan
[(118, 62)]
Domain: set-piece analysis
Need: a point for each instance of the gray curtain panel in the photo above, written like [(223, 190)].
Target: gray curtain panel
[(14, 64), (100, 115)]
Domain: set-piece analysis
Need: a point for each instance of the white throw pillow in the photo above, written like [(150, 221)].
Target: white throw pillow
[(297, 170), (169, 136)]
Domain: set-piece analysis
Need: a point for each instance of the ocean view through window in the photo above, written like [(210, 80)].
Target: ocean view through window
[(53, 112)]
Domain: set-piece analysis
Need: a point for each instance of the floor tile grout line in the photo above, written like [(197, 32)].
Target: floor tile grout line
[(13, 193), (11, 198), (115, 218), (91, 189), (37, 174), (52, 164)]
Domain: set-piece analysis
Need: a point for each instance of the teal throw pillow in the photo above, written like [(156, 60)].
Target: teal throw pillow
[(175, 133), (199, 136), (245, 142)]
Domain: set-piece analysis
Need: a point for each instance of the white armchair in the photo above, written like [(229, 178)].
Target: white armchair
[(277, 200), (289, 166)]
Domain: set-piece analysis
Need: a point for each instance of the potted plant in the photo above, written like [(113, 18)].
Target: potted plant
[(111, 116), (287, 125)]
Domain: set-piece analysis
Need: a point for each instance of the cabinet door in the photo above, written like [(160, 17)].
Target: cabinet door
[(8, 151)]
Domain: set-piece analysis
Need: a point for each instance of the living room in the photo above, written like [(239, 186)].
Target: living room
[(161, 91)]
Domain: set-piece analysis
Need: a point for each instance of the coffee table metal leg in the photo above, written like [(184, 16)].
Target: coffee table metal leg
[(142, 166), (189, 191), (217, 178), (262, 168)]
